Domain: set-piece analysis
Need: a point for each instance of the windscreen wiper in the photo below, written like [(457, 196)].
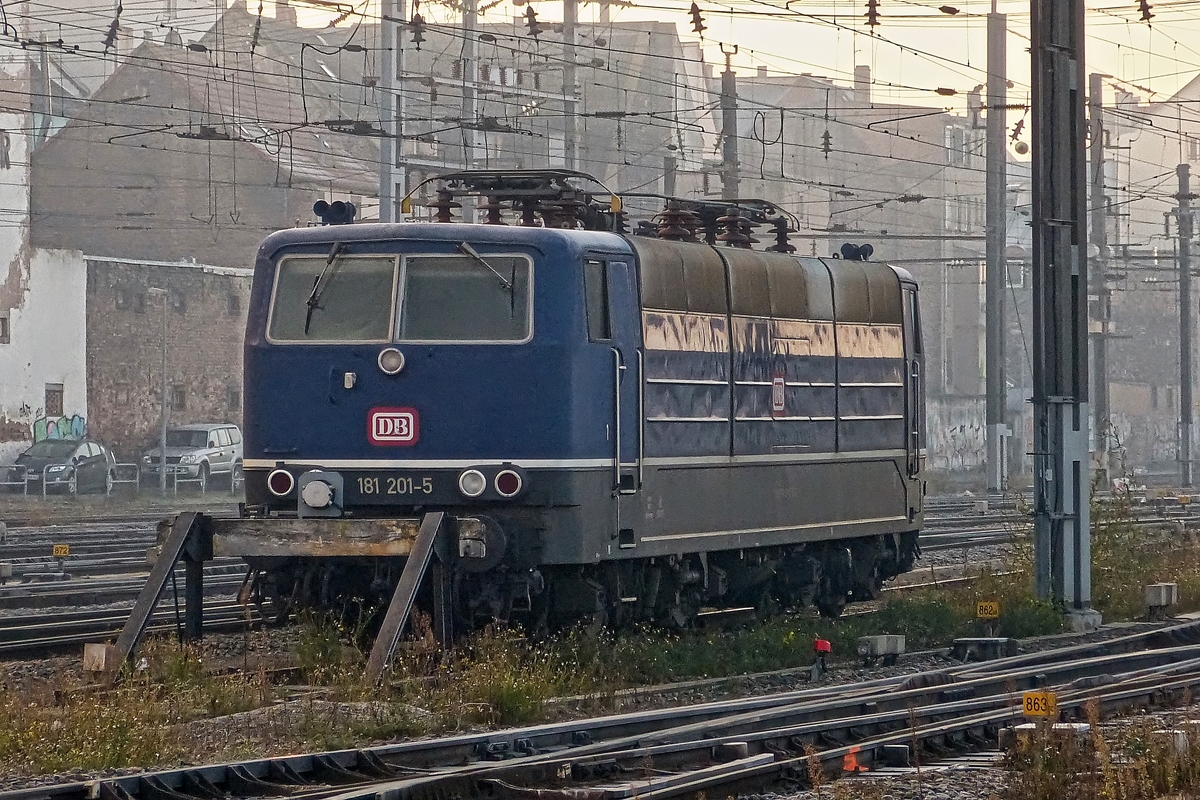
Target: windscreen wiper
[(467, 250), (314, 297)]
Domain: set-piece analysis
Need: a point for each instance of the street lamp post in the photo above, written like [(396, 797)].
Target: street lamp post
[(162, 396)]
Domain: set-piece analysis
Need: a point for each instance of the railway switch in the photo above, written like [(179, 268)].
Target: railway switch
[(983, 648)]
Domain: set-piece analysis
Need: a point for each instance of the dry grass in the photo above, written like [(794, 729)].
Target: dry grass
[(1120, 762), (177, 708)]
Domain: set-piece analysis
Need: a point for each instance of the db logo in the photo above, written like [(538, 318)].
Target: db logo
[(393, 426), (778, 395)]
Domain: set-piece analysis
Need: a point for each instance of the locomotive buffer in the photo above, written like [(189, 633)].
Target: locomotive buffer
[(194, 538)]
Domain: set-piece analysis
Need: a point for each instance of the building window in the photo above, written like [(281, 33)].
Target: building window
[(233, 398), (54, 399), (178, 399), (1193, 149), (233, 304), (5, 334), (956, 145)]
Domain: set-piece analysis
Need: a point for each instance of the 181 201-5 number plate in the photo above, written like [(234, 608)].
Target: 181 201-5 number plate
[(383, 487)]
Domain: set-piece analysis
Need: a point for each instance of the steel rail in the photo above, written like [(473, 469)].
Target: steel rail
[(549, 744), (767, 754)]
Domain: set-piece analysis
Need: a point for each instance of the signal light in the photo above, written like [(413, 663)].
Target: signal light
[(335, 213), (698, 25), (418, 29), (508, 483), (873, 12), (281, 483), (531, 22), (1144, 7)]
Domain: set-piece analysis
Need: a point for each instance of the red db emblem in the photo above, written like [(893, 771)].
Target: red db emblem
[(778, 394), (393, 426)]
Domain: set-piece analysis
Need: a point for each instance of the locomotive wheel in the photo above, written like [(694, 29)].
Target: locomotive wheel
[(831, 604), (595, 621)]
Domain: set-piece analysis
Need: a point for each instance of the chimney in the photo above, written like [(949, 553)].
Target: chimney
[(862, 84), (762, 71), (284, 12)]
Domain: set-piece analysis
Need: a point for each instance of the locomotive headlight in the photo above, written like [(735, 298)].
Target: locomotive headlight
[(390, 360), (508, 483), (472, 483), (280, 482)]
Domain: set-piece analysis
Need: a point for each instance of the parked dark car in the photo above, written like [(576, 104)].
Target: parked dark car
[(69, 465)]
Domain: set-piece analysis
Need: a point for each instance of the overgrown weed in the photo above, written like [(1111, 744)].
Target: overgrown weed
[(1128, 554), (1132, 761)]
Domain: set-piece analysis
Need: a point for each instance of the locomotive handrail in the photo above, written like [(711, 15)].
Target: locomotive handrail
[(617, 367), (641, 360)]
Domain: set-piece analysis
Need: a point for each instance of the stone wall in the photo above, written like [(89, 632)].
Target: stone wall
[(205, 309)]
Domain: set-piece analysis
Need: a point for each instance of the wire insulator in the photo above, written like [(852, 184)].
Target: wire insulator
[(492, 209), (528, 214), (782, 245), (735, 230), (445, 205), (676, 224)]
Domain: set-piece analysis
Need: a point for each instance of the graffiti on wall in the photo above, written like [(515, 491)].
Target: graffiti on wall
[(72, 427)]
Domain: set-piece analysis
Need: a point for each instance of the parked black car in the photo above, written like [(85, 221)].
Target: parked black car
[(70, 465)]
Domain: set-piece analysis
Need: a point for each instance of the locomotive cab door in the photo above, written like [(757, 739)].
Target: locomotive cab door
[(627, 397), (914, 395)]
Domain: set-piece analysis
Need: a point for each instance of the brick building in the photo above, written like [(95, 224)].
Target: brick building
[(205, 317)]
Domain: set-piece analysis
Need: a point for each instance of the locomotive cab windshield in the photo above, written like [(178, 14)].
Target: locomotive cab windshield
[(417, 297)]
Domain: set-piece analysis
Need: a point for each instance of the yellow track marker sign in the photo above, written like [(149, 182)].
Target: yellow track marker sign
[(62, 550), (987, 609), (1040, 704)]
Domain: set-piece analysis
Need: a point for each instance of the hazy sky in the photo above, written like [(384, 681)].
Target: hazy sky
[(916, 48)]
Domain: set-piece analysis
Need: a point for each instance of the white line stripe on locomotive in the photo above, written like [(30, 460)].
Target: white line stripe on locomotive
[(387, 463), (566, 463), (772, 458), (776, 529)]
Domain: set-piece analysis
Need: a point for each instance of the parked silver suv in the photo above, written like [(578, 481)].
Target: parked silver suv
[(199, 453)]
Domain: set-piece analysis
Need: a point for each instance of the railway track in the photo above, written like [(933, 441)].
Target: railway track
[(43, 634), (745, 745), (108, 564)]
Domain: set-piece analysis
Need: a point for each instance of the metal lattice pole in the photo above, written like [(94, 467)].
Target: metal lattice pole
[(1062, 537)]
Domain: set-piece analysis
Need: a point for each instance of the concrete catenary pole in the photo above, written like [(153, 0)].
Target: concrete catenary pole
[(729, 132), (570, 89), (996, 223), (1099, 235), (390, 145), (470, 77), (1062, 535), (1183, 218)]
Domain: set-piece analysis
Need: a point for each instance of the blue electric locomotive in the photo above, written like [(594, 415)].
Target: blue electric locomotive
[(618, 427)]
